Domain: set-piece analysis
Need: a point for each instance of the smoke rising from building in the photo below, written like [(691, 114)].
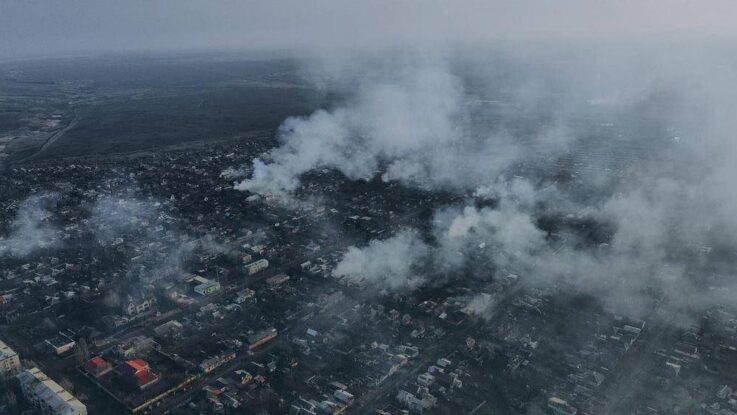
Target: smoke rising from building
[(388, 264), (32, 228)]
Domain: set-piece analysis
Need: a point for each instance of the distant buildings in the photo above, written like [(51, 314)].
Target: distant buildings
[(47, 396), (257, 266)]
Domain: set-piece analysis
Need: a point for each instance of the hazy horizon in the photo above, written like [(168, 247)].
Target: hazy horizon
[(47, 28)]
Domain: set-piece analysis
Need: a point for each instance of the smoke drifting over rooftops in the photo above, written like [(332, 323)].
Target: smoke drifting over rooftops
[(497, 127), (612, 113), (31, 230)]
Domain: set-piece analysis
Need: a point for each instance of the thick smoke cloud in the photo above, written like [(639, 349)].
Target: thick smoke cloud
[(388, 264), (640, 149), (414, 123), (31, 229), (481, 305), (408, 122), (506, 235)]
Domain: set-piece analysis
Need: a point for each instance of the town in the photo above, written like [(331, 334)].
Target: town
[(163, 290)]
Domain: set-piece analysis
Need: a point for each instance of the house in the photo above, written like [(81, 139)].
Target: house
[(139, 372), (415, 404), (244, 376), (276, 280), (425, 379), (261, 337), (256, 266), (97, 366), (344, 397), (136, 346), (60, 344), (169, 329), (561, 407), (244, 295), (138, 302), (206, 288), (212, 363)]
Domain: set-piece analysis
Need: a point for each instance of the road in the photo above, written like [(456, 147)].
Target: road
[(636, 365), (54, 137)]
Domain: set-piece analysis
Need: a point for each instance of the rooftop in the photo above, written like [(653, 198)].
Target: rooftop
[(51, 392), (6, 351)]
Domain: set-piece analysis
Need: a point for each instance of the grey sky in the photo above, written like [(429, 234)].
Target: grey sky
[(41, 27)]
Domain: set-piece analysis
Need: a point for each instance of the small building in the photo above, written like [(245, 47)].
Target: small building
[(561, 407), (415, 404), (212, 363), (261, 338), (256, 266), (277, 279), (343, 397), (137, 303), (60, 344), (207, 288), (425, 379), (9, 362), (47, 396), (136, 346), (97, 366), (244, 376), (169, 329), (138, 372), (244, 295)]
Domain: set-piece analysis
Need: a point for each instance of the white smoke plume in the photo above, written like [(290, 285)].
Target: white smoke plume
[(667, 119), (481, 305), (412, 123), (385, 264), (31, 229)]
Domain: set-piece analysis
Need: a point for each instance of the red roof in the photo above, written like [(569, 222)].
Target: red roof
[(138, 364), (144, 377), (97, 362)]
